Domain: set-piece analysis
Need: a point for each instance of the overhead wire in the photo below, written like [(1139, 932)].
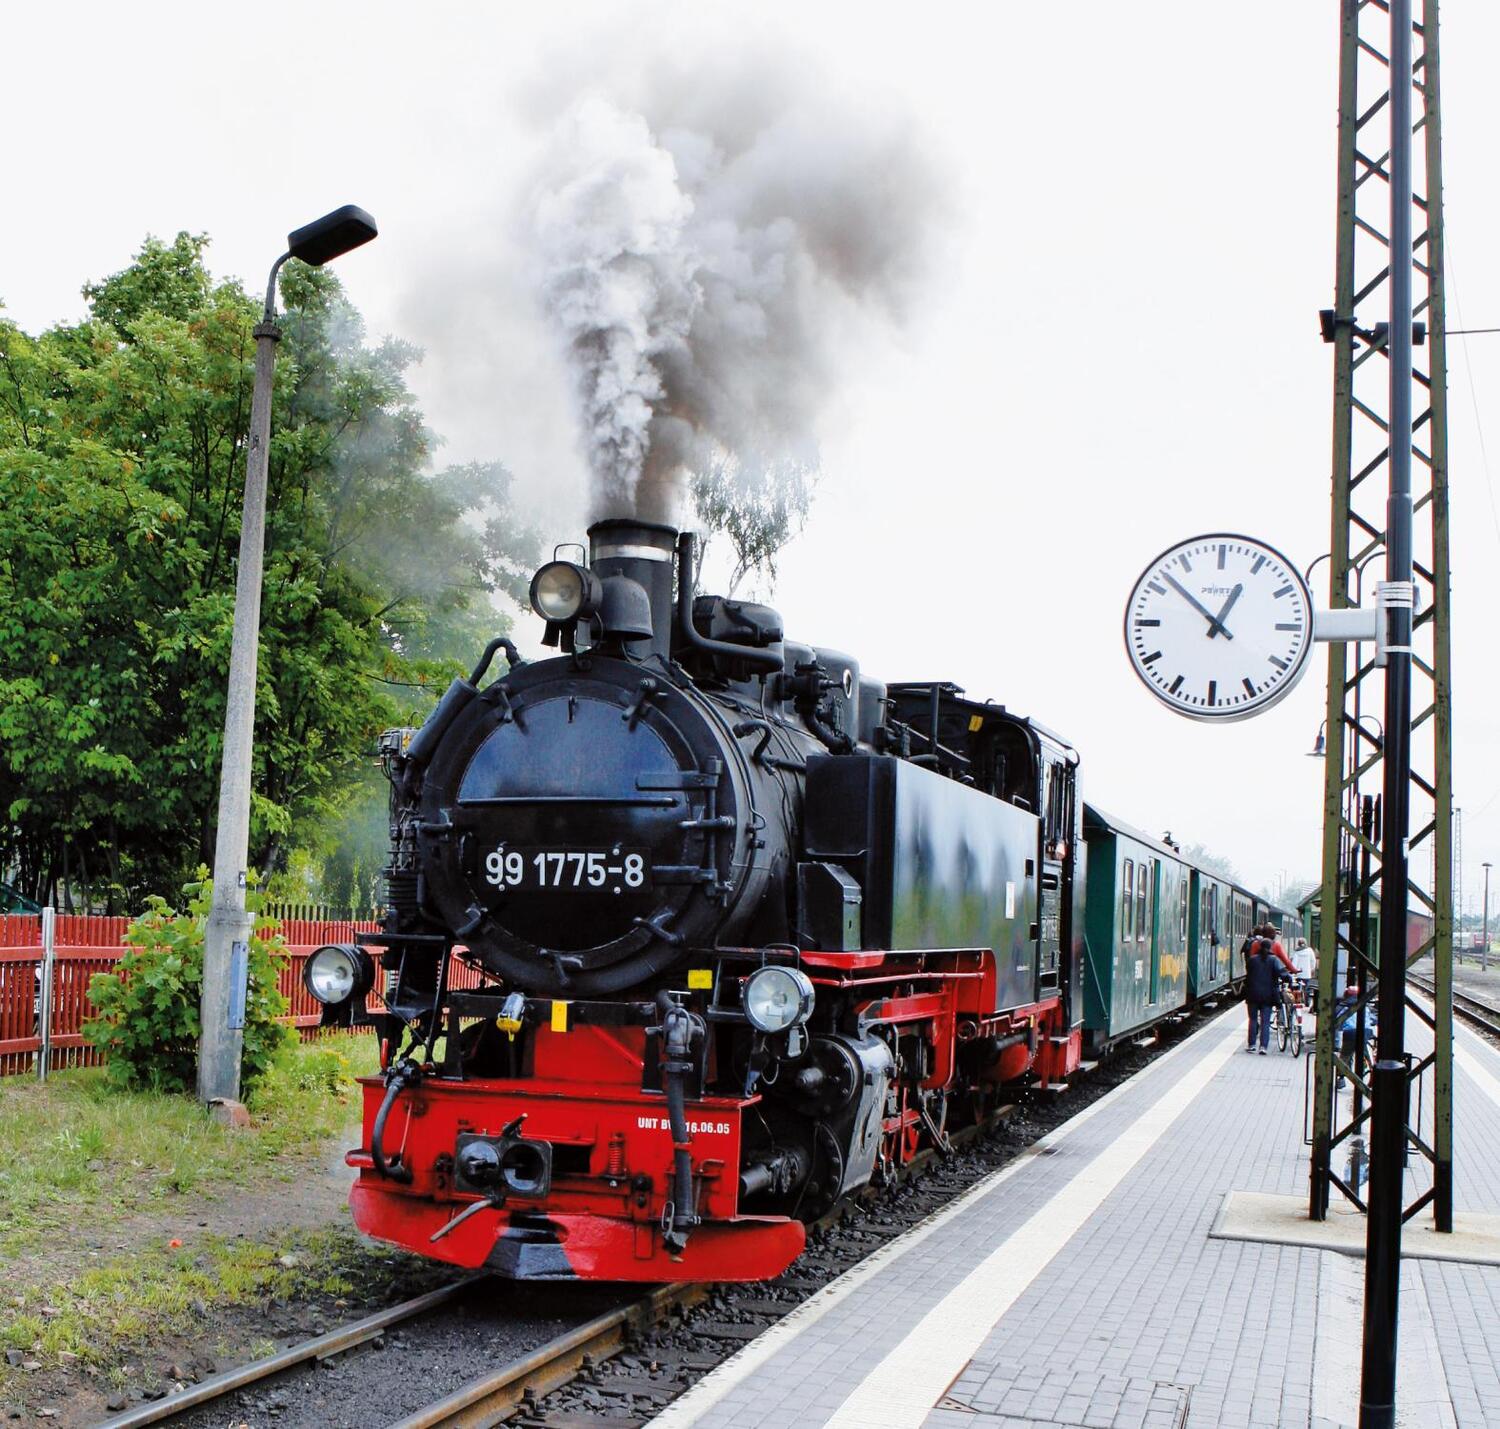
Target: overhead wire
[(1484, 455)]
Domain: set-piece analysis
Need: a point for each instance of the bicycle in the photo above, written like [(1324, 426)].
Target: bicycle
[(1287, 1020)]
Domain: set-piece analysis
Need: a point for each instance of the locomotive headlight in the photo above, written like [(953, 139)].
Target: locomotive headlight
[(334, 973), (776, 998), (562, 591)]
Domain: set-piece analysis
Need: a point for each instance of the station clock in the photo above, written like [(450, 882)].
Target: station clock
[(1219, 627)]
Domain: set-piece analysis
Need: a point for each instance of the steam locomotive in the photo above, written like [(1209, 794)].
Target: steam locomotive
[(693, 930)]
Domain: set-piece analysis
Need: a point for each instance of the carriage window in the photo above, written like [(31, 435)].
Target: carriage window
[(1127, 908), (1142, 920), (1182, 911)]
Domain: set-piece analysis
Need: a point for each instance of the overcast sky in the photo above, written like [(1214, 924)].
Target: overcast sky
[(1119, 346)]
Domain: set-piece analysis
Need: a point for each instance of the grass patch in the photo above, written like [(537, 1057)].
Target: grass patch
[(74, 1151), (121, 1311)]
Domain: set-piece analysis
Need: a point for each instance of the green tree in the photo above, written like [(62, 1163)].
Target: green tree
[(1215, 863), (122, 444), (760, 511)]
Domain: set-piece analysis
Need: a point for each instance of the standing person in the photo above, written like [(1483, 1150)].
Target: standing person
[(1263, 976), (1307, 972), (1266, 933)]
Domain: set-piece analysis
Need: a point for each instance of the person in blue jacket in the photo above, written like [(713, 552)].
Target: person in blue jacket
[(1264, 974)]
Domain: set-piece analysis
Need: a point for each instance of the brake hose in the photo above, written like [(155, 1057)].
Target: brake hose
[(398, 1077)]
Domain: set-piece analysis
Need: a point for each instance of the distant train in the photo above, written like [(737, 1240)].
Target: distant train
[(750, 927)]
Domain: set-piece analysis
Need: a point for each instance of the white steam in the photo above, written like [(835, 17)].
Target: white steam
[(707, 261)]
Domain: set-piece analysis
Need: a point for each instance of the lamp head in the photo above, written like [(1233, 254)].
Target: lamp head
[(326, 238)]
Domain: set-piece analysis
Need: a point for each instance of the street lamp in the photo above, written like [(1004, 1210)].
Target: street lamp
[(1320, 746), (226, 944), (1484, 937)]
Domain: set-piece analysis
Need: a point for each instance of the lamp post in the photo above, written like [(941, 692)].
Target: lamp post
[(1484, 937), (226, 942)]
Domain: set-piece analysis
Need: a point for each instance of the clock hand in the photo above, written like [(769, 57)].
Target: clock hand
[(1224, 610), (1213, 623)]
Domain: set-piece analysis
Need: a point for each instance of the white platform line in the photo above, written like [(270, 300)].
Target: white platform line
[(1488, 1084), (1422, 1397), (904, 1388), (690, 1408), (1465, 1044)]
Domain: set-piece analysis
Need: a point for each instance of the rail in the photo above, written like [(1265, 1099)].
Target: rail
[(1481, 1014), (321, 1348)]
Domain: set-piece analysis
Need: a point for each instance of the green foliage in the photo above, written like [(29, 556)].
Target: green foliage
[(148, 1007), (1215, 863), (122, 458), (759, 510)]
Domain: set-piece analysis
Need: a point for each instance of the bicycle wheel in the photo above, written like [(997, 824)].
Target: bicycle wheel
[(1297, 1040), (1282, 1035)]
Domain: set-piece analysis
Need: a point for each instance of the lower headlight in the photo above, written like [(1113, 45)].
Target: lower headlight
[(335, 973), (776, 998)]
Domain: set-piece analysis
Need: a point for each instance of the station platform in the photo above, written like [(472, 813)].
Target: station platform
[(1098, 1279)]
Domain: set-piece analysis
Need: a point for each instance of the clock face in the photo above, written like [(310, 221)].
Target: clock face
[(1219, 627)]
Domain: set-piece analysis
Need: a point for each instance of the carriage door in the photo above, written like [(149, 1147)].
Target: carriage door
[(1154, 922), (1216, 932), (1058, 861)]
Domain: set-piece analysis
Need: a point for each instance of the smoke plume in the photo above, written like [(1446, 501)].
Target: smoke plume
[(708, 258)]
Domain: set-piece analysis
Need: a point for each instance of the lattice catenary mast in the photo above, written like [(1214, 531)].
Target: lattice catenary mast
[(1357, 741)]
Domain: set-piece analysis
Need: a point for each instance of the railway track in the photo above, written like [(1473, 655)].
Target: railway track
[(1473, 1010), (519, 1382), (312, 1351), (619, 1367)]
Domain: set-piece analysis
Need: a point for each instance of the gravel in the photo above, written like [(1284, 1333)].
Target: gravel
[(414, 1363)]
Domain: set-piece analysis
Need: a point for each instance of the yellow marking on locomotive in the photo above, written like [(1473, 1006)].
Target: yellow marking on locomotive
[(976, 723), (508, 1025), (700, 977), (559, 1016)]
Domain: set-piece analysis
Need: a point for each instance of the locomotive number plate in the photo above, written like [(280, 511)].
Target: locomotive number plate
[(568, 870)]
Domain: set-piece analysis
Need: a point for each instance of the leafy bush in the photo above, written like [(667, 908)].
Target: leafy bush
[(324, 1069), (148, 1007)]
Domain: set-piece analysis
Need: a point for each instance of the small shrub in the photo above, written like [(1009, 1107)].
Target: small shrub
[(321, 1069), (148, 1007)]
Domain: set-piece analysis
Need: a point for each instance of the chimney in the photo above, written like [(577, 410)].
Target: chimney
[(643, 552)]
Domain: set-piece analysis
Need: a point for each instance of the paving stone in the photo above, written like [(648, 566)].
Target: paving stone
[(1141, 1305)]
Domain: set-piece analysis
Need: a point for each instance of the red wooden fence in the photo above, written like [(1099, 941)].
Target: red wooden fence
[(85, 944)]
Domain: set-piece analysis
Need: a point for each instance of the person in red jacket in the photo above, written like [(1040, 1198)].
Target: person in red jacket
[(1266, 932)]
